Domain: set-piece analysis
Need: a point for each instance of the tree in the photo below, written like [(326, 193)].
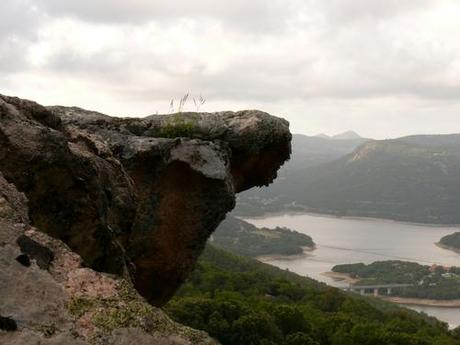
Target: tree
[(253, 328), (218, 327), (290, 320), (299, 339)]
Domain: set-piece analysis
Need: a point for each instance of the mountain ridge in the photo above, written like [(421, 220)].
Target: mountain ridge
[(411, 179), (347, 135)]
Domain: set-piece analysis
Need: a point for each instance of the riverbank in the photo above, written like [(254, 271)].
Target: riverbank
[(342, 277), (444, 246), (334, 216), (306, 252), (423, 302), (342, 241)]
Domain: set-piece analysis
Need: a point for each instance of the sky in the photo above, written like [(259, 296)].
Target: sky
[(383, 68)]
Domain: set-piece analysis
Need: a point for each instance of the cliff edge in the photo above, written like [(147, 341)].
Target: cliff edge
[(134, 198)]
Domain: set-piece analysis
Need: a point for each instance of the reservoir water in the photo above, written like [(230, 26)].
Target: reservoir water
[(345, 240)]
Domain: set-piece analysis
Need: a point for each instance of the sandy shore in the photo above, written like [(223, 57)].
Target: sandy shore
[(423, 302), (340, 277), (443, 246), (399, 300), (344, 277), (332, 215), (267, 258)]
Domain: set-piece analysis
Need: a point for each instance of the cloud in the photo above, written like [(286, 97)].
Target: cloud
[(12, 55), (18, 18), (339, 12), (19, 22), (362, 59), (253, 16), (325, 57)]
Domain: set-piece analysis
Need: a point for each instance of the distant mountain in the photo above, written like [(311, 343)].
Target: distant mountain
[(414, 178), (310, 151), (341, 136), (348, 135), (323, 136), (307, 152), (446, 140), (391, 179)]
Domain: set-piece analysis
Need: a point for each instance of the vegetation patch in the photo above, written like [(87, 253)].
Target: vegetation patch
[(451, 241), (132, 314), (241, 301), (428, 282), (178, 127), (243, 238), (128, 309), (78, 306), (48, 330)]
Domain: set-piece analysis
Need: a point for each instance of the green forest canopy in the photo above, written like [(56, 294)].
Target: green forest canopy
[(241, 301)]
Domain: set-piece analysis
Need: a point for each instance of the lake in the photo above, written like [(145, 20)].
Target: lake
[(352, 240)]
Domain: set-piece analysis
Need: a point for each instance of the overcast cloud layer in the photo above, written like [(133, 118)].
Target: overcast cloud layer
[(382, 68)]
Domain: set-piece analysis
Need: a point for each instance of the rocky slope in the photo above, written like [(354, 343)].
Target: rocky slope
[(48, 297), (133, 197)]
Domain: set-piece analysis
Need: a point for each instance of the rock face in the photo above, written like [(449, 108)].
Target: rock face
[(48, 298), (136, 197)]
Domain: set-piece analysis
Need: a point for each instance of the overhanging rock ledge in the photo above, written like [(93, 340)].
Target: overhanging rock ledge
[(137, 197)]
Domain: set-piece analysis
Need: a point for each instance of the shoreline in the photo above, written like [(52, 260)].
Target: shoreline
[(455, 303), (445, 246), (341, 277), (269, 257), (329, 215)]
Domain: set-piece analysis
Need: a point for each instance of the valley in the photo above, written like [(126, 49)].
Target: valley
[(412, 179), (347, 241)]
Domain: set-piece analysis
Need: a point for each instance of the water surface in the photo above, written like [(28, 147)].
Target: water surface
[(345, 240)]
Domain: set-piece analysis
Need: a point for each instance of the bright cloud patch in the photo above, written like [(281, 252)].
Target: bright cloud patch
[(327, 66)]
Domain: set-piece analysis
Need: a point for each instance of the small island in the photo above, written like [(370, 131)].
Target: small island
[(451, 242), (243, 238), (417, 281)]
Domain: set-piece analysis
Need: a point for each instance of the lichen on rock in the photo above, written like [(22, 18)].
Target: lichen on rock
[(65, 303)]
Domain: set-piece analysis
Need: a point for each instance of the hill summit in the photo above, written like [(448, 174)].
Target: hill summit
[(347, 135)]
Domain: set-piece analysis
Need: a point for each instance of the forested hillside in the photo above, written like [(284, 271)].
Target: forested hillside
[(451, 241), (428, 282), (307, 152), (243, 238), (414, 178), (240, 301)]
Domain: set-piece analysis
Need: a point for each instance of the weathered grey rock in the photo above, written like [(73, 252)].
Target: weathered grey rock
[(70, 304), (136, 196)]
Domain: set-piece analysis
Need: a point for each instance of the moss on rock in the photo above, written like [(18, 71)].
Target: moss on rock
[(178, 127)]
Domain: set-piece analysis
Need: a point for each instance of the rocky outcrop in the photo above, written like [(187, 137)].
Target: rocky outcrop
[(136, 197), (49, 298)]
